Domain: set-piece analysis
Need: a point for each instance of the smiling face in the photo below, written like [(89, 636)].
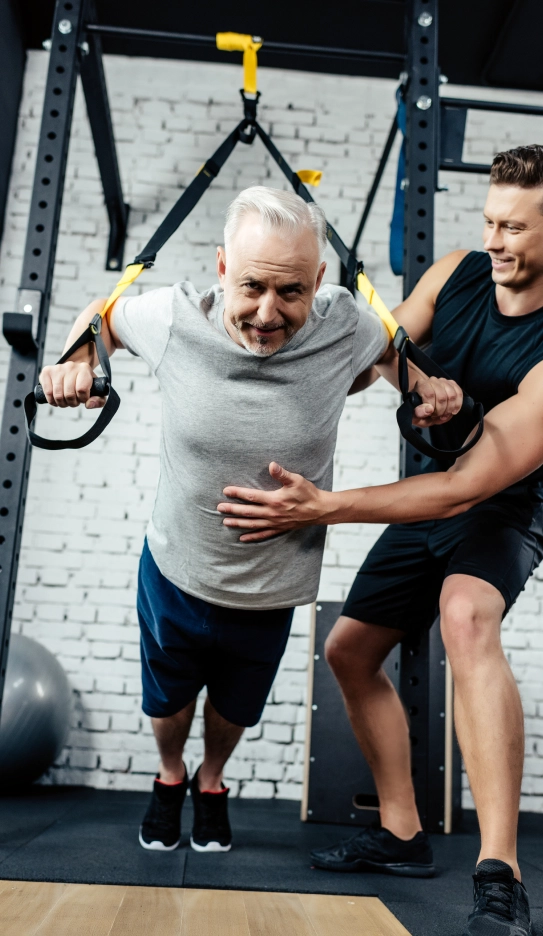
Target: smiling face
[(269, 282), (513, 235)]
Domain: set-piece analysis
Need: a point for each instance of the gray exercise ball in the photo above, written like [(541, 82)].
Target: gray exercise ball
[(36, 711)]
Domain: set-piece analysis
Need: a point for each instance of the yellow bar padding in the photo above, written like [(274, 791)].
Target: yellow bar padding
[(364, 286), (310, 176), (131, 273), (249, 45)]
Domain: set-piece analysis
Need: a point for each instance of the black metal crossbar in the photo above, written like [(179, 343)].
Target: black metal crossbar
[(292, 48)]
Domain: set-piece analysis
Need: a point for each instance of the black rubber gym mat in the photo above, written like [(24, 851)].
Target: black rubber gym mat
[(91, 836)]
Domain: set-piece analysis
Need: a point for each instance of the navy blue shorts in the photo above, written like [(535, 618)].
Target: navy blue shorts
[(188, 643), (499, 541)]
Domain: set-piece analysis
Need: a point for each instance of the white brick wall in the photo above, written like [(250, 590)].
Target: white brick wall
[(87, 510)]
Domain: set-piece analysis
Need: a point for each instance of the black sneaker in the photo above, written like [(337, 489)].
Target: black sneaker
[(211, 830), (161, 826), (501, 902), (377, 849)]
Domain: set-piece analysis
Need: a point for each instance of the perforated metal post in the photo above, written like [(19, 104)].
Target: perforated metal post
[(423, 665), (25, 329)]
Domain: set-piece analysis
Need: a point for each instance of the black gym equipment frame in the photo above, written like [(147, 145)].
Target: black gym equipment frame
[(72, 50), (433, 140), (423, 665)]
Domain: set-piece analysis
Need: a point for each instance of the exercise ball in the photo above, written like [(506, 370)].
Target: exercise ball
[(36, 709)]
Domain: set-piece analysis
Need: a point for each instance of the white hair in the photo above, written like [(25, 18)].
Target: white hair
[(277, 209)]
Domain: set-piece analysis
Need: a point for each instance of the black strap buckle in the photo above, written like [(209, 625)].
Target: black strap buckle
[(96, 325), (211, 168)]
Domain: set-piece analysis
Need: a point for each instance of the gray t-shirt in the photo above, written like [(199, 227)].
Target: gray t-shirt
[(226, 414)]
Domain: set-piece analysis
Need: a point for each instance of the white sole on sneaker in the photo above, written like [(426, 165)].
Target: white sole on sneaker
[(157, 845), (210, 847)]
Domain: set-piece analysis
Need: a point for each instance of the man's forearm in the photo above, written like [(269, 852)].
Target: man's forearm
[(424, 497), (387, 367)]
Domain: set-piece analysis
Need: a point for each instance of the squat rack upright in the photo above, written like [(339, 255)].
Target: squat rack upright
[(433, 139)]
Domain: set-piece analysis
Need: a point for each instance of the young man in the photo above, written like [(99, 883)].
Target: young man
[(258, 365), (456, 541)]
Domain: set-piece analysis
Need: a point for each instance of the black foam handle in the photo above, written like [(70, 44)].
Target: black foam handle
[(100, 388)]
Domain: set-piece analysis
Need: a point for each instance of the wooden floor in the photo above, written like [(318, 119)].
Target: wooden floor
[(37, 909)]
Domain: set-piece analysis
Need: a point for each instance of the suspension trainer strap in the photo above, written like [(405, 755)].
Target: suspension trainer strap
[(131, 274), (245, 132), (374, 300), (348, 260), (190, 197)]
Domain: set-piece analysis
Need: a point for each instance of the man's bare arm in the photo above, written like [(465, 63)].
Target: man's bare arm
[(510, 449), (70, 384), (415, 314)]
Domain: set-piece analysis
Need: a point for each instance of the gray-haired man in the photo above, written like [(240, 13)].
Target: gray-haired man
[(255, 368)]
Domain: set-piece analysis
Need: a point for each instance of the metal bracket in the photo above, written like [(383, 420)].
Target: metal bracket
[(17, 329), (20, 328), (453, 128), (99, 113)]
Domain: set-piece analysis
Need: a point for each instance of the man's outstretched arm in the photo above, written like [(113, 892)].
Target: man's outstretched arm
[(510, 449), (443, 398)]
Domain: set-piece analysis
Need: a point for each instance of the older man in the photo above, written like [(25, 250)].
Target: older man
[(259, 365)]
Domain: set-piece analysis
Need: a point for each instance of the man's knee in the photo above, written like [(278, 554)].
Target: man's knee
[(335, 647), (355, 648), (470, 618)]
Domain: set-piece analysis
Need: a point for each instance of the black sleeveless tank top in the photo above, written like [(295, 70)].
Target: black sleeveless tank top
[(487, 353)]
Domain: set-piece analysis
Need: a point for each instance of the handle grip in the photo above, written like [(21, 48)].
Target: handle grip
[(100, 388), (404, 416)]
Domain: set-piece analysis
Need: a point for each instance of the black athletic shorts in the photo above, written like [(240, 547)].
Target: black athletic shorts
[(499, 541)]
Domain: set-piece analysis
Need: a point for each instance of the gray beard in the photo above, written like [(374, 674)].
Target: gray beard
[(263, 349)]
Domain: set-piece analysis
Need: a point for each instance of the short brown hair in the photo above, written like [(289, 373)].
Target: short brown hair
[(522, 166)]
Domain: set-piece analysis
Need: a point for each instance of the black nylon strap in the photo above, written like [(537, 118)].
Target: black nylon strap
[(190, 197), (91, 334)]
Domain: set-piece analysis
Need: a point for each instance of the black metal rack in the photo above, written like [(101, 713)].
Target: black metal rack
[(434, 139)]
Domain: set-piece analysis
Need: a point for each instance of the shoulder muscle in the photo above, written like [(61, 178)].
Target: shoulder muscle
[(416, 313)]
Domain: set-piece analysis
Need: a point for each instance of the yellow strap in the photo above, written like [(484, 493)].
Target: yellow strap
[(249, 45), (364, 286), (131, 273), (310, 176)]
